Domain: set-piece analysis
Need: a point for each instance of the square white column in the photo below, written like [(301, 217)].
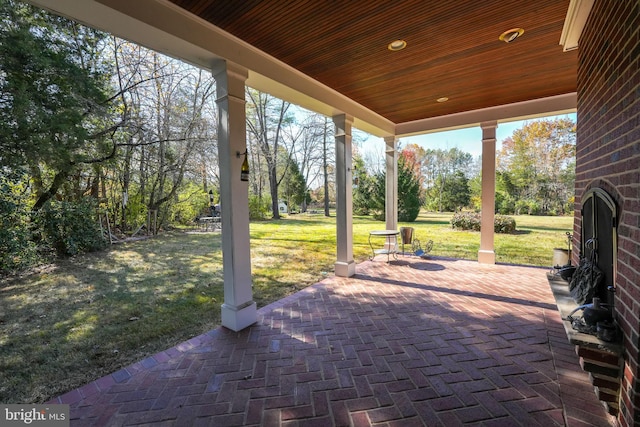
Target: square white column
[(345, 266), (486, 254), (238, 310), (391, 184)]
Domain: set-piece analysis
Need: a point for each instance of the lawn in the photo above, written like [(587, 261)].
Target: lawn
[(532, 244), (81, 318)]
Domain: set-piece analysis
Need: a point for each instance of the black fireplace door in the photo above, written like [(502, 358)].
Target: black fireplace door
[(599, 235)]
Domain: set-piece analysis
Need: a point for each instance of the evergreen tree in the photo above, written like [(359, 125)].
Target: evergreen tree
[(410, 197), (295, 186), (53, 93), (363, 185), (409, 187), (455, 192)]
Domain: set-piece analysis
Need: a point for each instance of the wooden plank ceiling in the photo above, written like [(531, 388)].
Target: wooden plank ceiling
[(452, 49)]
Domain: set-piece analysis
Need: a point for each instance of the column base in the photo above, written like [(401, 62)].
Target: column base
[(486, 257), (345, 269), (238, 318)]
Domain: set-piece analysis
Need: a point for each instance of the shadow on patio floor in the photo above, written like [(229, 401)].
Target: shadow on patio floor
[(434, 343)]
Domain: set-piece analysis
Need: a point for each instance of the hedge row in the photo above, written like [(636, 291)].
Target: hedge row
[(471, 221)]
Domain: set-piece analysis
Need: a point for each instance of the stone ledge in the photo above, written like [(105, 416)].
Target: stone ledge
[(566, 305)]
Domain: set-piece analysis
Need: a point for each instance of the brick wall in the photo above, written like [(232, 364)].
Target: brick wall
[(608, 156)]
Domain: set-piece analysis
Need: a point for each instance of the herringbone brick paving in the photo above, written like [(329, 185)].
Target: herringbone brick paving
[(413, 342)]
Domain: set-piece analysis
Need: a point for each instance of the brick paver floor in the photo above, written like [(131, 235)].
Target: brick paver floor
[(414, 342)]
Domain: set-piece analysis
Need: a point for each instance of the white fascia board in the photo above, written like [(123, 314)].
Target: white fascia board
[(574, 23), (164, 27), (96, 15), (553, 105)]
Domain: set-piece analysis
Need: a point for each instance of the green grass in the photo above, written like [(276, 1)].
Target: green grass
[(70, 323), (532, 244)]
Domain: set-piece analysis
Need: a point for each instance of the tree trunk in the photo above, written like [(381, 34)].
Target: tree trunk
[(126, 180), (273, 181), (58, 180)]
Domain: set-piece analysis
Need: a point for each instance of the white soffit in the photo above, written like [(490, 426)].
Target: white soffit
[(574, 22), (553, 105)]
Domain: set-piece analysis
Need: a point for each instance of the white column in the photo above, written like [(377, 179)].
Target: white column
[(391, 175), (345, 265), (486, 254), (239, 309)]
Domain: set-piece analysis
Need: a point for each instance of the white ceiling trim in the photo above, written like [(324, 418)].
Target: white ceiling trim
[(574, 22), (553, 105)]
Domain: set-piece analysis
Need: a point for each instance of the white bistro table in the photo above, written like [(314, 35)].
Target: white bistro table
[(390, 243)]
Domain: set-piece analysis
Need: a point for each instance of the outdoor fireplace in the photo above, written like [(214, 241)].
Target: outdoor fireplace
[(595, 333), (598, 247)]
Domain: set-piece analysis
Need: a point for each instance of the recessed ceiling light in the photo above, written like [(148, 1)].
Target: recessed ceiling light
[(443, 99), (397, 45), (510, 35)]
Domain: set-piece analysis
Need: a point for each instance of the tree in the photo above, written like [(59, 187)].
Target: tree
[(455, 193), (167, 145), (309, 134), (505, 191), (439, 167), (539, 162), (295, 186), (54, 98), (176, 127), (363, 187), (409, 187), (325, 166), (266, 118), (410, 197)]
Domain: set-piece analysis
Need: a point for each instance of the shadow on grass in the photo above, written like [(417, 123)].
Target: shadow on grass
[(560, 230), (308, 221), (521, 232), (92, 314)]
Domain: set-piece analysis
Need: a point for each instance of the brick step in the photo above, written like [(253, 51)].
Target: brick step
[(607, 370), (604, 381), (598, 357)]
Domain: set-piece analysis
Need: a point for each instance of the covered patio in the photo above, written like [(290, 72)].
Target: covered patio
[(434, 342), (396, 69)]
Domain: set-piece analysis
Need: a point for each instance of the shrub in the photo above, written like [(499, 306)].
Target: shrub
[(17, 250), (504, 224), (527, 207), (466, 221), (70, 228), (471, 221), (259, 208), (136, 211), (193, 201)]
